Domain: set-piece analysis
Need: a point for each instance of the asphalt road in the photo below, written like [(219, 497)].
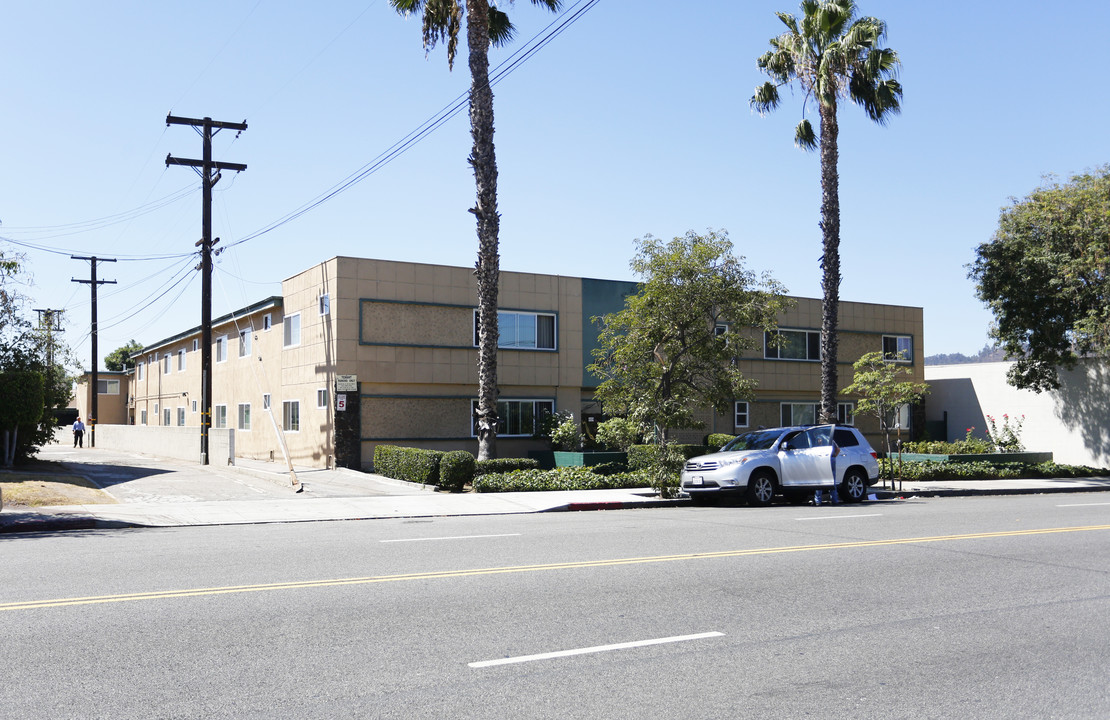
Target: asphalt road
[(945, 608)]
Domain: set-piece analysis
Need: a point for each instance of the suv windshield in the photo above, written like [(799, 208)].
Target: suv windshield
[(758, 440)]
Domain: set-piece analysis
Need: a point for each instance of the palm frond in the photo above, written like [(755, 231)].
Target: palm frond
[(766, 98), (552, 5), (804, 136), (501, 29)]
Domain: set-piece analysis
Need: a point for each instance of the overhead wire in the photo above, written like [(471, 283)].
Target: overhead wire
[(500, 72)]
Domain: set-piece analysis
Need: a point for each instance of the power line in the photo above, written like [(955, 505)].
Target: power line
[(500, 72)]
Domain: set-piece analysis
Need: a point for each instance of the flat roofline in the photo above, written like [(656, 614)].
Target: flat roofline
[(272, 301)]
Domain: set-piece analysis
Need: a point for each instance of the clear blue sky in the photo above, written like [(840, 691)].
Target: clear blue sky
[(628, 123)]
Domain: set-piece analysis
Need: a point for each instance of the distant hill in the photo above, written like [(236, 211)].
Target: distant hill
[(987, 354)]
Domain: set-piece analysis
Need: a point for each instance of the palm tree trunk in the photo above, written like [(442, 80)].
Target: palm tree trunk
[(487, 271), (830, 260)]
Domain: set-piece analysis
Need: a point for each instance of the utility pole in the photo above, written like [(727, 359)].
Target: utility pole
[(207, 128), (95, 383)]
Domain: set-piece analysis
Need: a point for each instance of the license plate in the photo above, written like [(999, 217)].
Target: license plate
[(697, 480)]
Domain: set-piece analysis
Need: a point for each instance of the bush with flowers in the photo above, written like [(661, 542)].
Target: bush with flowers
[(1008, 438)]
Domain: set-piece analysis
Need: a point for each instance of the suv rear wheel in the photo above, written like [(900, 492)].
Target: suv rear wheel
[(854, 487), (761, 488)]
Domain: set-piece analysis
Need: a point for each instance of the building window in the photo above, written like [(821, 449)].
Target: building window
[(219, 417), (245, 342), (166, 416), (142, 417), (845, 414), (194, 406), (107, 387), (140, 371), (181, 416), (740, 414), (221, 348), (324, 304), (244, 416), (515, 418), (181, 360), (292, 330), (156, 409), (196, 345), (291, 416), (266, 401), (898, 348), (166, 364), (522, 330), (799, 414), (322, 398), (267, 323), (792, 345)]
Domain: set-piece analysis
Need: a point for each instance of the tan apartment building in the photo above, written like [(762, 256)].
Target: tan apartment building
[(405, 335)]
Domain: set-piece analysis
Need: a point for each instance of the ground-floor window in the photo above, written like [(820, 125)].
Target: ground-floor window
[(740, 414), (515, 418), (806, 413), (165, 416), (845, 414), (142, 417), (291, 416), (244, 416), (322, 398), (219, 417), (181, 416)]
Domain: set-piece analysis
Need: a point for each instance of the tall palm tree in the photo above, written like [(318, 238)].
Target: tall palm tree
[(832, 54), (485, 25)]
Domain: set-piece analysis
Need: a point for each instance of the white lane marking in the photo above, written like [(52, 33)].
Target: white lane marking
[(597, 649), (456, 537), (1084, 504), (839, 517)]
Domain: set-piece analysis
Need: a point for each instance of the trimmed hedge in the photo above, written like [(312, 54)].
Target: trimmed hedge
[(716, 441), (456, 469), (643, 457), (504, 465), (988, 471), (567, 478), (415, 465)]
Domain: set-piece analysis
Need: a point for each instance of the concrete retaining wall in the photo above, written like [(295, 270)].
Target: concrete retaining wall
[(181, 443)]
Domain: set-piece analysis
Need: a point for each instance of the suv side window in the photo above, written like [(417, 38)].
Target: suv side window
[(845, 438)]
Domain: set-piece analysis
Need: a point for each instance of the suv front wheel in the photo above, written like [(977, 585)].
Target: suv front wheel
[(761, 488)]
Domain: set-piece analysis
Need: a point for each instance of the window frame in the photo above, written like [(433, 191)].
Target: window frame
[(791, 423), (246, 334), (142, 417), (108, 384), (287, 424), (221, 349), (548, 405), (736, 413), (181, 360), (265, 401), (535, 314), (323, 304), (140, 371), (219, 417), (846, 413), (167, 365), (166, 417), (245, 427), (321, 393), (180, 417), (774, 352), (893, 357), (196, 344), (286, 331)]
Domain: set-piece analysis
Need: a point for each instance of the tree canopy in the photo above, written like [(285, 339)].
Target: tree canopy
[(671, 351), (882, 390), (1045, 274), (120, 358)]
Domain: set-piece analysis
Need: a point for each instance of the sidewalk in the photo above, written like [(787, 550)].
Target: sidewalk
[(153, 492)]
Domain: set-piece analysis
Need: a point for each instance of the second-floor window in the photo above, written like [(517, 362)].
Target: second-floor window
[(245, 342), (898, 348), (522, 330), (792, 345)]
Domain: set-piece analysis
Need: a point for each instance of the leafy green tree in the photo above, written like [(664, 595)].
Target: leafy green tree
[(11, 300), (485, 25), (120, 358), (1045, 274), (881, 391), (832, 55), (21, 405), (672, 350)]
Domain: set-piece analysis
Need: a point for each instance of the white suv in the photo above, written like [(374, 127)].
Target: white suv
[(792, 461)]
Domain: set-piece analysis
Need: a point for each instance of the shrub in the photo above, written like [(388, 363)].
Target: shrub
[(715, 441), (504, 465), (641, 457), (618, 433), (456, 469), (567, 435), (568, 478), (609, 468), (988, 471), (415, 465)]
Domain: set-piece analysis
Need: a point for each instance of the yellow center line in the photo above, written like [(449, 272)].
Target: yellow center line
[(232, 589)]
